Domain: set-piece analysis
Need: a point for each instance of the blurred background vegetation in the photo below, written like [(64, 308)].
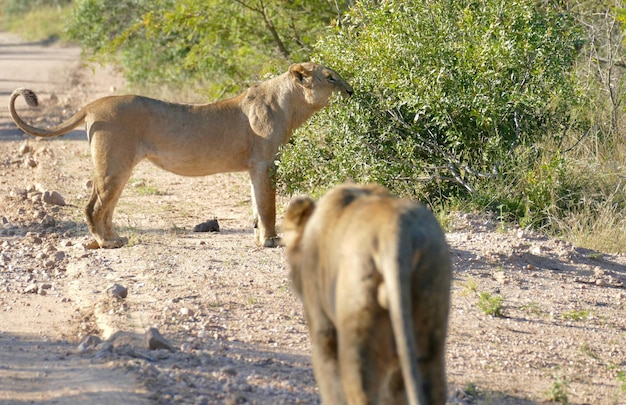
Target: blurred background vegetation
[(511, 106)]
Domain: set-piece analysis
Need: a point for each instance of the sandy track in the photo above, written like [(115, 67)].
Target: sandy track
[(36, 364), (226, 305)]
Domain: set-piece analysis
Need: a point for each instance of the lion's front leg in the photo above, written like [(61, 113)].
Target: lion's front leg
[(264, 205)]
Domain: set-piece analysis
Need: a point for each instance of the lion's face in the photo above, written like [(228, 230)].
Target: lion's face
[(319, 82)]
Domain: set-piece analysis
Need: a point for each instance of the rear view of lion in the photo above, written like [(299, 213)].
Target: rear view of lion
[(373, 273), (239, 134)]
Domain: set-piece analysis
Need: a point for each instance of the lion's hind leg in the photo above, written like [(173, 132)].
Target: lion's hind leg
[(324, 355), (364, 332), (429, 319), (370, 371), (431, 305), (105, 193), (99, 216)]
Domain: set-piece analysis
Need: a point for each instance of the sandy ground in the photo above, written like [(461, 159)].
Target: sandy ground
[(225, 305)]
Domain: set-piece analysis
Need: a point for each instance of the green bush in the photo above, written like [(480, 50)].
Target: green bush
[(447, 96), (216, 46)]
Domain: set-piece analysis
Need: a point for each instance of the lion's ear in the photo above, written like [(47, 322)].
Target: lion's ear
[(297, 215), (299, 72), (299, 211)]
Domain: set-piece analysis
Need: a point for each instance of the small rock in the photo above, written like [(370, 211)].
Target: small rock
[(600, 282), (500, 277), (209, 226), (24, 149), (117, 291), (184, 311), (235, 398), (155, 341), (53, 198), (18, 193), (599, 272), (229, 371), (103, 350), (31, 162), (31, 289)]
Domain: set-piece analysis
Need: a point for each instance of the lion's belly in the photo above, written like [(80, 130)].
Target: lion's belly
[(198, 166), (197, 158)]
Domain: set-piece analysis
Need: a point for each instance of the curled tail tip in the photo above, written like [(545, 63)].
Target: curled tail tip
[(29, 96)]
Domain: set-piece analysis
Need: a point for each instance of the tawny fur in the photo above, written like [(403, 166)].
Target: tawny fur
[(238, 134), (373, 273)]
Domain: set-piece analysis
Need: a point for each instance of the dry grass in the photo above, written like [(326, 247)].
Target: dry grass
[(598, 221)]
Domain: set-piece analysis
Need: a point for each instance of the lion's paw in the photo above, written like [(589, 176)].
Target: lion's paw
[(272, 242), (106, 244)]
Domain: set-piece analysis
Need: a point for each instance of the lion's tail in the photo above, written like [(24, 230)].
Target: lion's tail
[(416, 248), (31, 100), (398, 281)]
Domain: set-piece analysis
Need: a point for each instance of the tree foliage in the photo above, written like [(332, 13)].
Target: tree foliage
[(487, 102), (447, 94), (219, 44)]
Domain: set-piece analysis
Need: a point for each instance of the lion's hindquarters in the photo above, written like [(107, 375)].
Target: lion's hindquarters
[(379, 268)]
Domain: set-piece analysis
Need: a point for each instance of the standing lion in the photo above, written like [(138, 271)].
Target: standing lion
[(373, 273), (242, 133)]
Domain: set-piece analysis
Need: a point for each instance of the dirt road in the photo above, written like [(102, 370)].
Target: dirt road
[(36, 362), (225, 305)]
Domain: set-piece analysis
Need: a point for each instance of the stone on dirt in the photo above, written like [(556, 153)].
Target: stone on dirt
[(209, 226), (89, 342), (52, 198), (117, 291), (184, 311), (155, 341), (24, 149), (31, 289)]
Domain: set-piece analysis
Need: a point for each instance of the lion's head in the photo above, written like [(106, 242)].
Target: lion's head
[(319, 82)]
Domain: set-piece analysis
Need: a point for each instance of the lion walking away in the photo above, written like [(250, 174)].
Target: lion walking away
[(373, 273), (238, 134)]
